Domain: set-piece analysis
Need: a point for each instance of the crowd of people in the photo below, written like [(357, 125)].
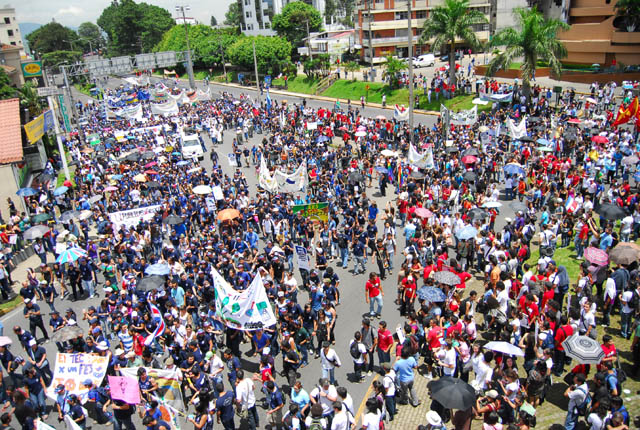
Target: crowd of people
[(443, 228)]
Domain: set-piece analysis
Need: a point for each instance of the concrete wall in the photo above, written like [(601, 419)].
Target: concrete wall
[(504, 13), (8, 189)]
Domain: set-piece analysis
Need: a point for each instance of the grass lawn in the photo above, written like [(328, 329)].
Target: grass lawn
[(300, 84), (458, 103), (10, 305)]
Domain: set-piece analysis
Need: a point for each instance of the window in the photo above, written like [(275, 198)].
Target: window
[(401, 15), (7, 20), (13, 43), (10, 33), (421, 14), (248, 14)]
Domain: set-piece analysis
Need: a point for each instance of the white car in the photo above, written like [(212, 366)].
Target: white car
[(191, 147), (425, 60)]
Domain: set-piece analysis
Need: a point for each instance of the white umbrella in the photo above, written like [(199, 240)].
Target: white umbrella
[(591, 100), (479, 101), (483, 128), (583, 349), (202, 189), (4, 341), (361, 133), (85, 214), (492, 205), (505, 348), (388, 153)]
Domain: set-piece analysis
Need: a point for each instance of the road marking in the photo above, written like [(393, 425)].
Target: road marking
[(10, 314), (363, 403)]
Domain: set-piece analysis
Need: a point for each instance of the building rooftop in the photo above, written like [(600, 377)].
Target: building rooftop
[(10, 133)]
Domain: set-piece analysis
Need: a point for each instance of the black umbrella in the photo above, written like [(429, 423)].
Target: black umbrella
[(36, 219), (173, 220), (470, 176), (471, 151), (533, 119), (134, 156), (356, 177), (452, 149), (67, 333), (477, 213), (611, 212), (150, 282), (416, 174), (518, 206), (152, 184), (453, 393), (525, 139), (148, 155)]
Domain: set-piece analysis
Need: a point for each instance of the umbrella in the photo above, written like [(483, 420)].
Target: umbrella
[(111, 188), (183, 163), (160, 269), (388, 153), (416, 174), (625, 253), (544, 149), (446, 277), (153, 184), (323, 139), (452, 149), (596, 256), (60, 191), (518, 206), (513, 169), (140, 178), (86, 214), (630, 160), (574, 121), (356, 177), (525, 139), (95, 199), (150, 282), (150, 172), (543, 142), (483, 129), (381, 169), (599, 139), (453, 393), (202, 189), (381, 117), (26, 192), (470, 176), (611, 212), (150, 164), (423, 213), (134, 156), (471, 151), (469, 159), (432, 294), (492, 205), (228, 214), (477, 213), (148, 155), (591, 99), (360, 133), (504, 347), (67, 333), (467, 232), (40, 218), (583, 349), (533, 119), (173, 220), (70, 255), (479, 101), (69, 215), (5, 340)]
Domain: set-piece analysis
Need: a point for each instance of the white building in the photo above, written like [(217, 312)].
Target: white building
[(188, 20), (9, 30)]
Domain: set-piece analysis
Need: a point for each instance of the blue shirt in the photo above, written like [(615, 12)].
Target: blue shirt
[(404, 369), (178, 295), (606, 241)]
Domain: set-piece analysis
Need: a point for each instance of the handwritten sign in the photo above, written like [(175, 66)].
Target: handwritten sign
[(132, 217), (313, 211), (303, 258), (125, 389), (71, 370)]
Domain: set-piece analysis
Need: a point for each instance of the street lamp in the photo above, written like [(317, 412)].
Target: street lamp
[(182, 9)]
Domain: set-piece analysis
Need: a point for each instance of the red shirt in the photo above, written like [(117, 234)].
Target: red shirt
[(435, 333), (385, 339), (373, 288), (454, 328), (548, 295), (409, 287), (563, 332), (531, 309)]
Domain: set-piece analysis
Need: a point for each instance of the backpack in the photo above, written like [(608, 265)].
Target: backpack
[(618, 383), (549, 341), (411, 343), (354, 350), (316, 424), (583, 408)]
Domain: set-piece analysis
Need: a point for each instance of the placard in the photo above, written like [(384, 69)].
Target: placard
[(302, 256), (71, 370), (124, 388), (132, 217), (217, 193)]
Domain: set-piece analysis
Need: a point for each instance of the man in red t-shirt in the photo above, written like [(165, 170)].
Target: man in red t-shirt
[(564, 331), (385, 343), (434, 335), (548, 295), (408, 295), (373, 294)]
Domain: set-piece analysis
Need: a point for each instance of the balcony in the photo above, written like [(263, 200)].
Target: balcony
[(624, 37), (391, 25)]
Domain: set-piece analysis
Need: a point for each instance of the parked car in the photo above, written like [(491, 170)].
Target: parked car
[(445, 57), (425, 60)]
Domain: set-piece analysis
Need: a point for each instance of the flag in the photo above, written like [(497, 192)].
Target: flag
[(571, 205), (517, 131), (401, 113), (268, 101), (156, 316), (625, 115), (42, 426)]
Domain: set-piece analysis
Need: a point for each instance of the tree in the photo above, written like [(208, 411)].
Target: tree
[(534, 39), (207, 43), (391, 69), (89, 32), (451, 22), (51, 37), (318, 66), (352, 67), (134, 27), (232, 17), (213, 22), (272, 54), (30, 100), (292, 22), (630, 10), (55, 58), (6, 90)]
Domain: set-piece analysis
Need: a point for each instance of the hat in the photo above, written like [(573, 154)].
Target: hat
[(208, 355), (169, 361), (508, 220), (433, 418), (102, 346), (280, 294), (27, 300), (87, 382), (492, 394), (59, 388), (32, 342), (95, 330), (386, 366), (130, 354), (119, 351)]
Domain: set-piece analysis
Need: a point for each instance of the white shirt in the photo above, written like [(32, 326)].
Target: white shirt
[(626, 299), (340, 421), (389, 385), (625, 224), (329, 360), (610, 289), (483, 375), (362, 349), (448, 357), (327, 405), (503, 300), (371, 421), (245, 394)]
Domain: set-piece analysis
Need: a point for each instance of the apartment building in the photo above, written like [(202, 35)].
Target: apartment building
[(257, 15), (9, 30)]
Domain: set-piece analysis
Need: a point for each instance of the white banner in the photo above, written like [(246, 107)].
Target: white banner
[(502, 98), (517, 131), (233, 161), (294, 182), (168, 108), (43, 426), (132, 217), (71, 370), (168, 384), (302, 256), (217, 193), (265, 179), (401, 113), (211, 204), (424, 160), (464, 117), (71, 424), (243, 310)]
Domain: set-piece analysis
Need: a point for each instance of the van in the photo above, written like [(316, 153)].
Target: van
[(191, 146), (425, 60)]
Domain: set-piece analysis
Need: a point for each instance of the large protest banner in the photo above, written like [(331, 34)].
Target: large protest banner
[(168, 384), (313, 211), (38, 127), (71, 370), (132, 217), (244, 310)]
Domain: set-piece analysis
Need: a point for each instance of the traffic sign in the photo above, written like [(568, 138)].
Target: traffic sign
[(49, 91)]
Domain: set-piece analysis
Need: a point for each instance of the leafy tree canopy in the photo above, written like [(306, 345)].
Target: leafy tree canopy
[(51, 37), (291, 23), (89, 32), (55, 58), (273, 54), (131, 26), (6, 90), (232, 16), (214, 21), (207, 43)]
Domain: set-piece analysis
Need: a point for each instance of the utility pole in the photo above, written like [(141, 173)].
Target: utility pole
[(255, 65), (370, 37), (410, 53), (192, 81), (308, 39), (63, 155)]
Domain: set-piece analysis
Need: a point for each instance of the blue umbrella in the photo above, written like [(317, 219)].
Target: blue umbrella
[(431, 294), (467, 232), (636, 176), (117, 177), (175, 153), (160, 269), (513, 169), (26, 192), (70, 255), (382, 169), (60, 190), (544, 142), (183, 163), (323, 138)]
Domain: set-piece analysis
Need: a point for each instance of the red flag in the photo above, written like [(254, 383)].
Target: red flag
[(625, 115)]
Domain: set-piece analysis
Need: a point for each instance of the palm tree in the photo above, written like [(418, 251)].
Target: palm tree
[(352, 67), (535, 39), (392, 66), (450, 23), (630, 10), (30, 100)]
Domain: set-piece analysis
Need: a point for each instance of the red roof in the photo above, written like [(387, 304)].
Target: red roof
[(10, 134)]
